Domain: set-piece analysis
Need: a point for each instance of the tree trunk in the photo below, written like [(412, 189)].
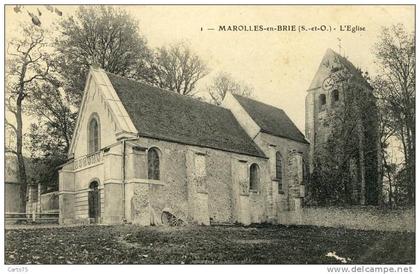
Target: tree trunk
[(408, 145), (411, 165), (406, 153), (389, 180), (390, 191), (360, 133), (380, 171), (21, 160)]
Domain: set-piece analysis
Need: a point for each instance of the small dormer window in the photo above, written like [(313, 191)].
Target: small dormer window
[(93, 135)]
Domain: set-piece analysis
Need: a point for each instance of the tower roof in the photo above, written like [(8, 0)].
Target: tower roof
[(332, 60)]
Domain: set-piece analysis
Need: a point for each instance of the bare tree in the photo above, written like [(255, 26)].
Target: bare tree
[(386, 132), (107, 37), (223, 83), (175, 67), (26, 63), (395, 53), (52, 107)]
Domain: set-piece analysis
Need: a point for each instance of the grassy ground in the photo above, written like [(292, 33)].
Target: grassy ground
[(130, 244)]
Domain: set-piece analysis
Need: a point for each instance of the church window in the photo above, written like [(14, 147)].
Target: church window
[(335, 95), (94, 135), (254, 177), (153, 164), (279, 172), (322, 99)]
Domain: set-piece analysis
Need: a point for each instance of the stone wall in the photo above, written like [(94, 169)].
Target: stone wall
[(82, 179), (170, 192), (365, 218), (294, 155), (49, 202), (75, 179), (197, 184), (249, 205)]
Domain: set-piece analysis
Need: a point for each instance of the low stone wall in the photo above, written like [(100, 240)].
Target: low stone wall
[(358, 217), (49, 202)]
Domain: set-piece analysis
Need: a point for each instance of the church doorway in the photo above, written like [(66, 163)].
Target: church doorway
[(94, 200)]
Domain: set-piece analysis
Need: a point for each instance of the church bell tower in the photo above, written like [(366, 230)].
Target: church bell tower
[(337, 79)]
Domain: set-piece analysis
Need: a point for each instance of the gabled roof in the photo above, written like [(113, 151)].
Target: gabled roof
[(324, 71), (271, 120), (166, 115), (97, 81)]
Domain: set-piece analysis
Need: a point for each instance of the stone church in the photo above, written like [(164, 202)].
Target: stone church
[(339, 86), (143, 155)]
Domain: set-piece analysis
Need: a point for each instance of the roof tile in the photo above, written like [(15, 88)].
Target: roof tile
[(271, 120), (166, 115)]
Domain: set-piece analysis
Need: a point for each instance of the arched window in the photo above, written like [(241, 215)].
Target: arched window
[(279, 172), (94, 185), (335, 96), (254, 177), (94, 202), (94, 135), (153, 164), (322, 99)]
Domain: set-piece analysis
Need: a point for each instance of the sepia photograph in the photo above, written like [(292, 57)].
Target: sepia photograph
[(210, 134)]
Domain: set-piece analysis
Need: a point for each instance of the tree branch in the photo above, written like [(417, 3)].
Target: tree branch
[(10, 151), (11, 125)]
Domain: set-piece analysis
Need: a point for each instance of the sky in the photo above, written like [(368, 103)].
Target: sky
[(279, 64)]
